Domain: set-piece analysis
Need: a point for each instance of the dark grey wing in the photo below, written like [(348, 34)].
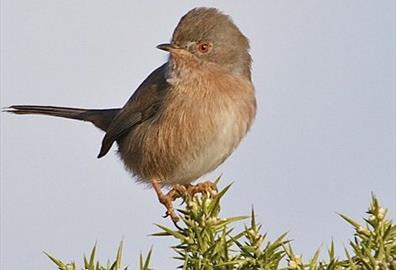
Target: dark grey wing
[(143, 104)]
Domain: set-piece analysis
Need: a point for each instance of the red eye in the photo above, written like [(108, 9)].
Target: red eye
[(204, 47)]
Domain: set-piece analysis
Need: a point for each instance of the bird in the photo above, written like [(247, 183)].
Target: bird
[(188, 115)]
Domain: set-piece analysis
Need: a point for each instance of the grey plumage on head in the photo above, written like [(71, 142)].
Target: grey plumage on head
[(230, 46)]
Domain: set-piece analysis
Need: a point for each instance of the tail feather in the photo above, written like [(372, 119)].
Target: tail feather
[(100, 118), (46, 110)]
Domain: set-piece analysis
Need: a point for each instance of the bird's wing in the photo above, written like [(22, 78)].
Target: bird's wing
[(143, 104)]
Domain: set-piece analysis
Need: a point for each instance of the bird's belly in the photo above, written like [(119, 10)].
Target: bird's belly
[(175, 155), (212, 152), (207, 159), (188, 138)]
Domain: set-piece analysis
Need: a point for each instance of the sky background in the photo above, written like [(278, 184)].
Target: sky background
[(323, 139)]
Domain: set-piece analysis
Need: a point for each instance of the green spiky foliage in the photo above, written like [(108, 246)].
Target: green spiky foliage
[(90, 263), (206, 241), (373, 246)]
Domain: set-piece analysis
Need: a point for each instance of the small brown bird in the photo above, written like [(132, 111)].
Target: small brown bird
[(189, 114)]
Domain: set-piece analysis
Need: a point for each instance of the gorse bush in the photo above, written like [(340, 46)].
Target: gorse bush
[(206, 241)]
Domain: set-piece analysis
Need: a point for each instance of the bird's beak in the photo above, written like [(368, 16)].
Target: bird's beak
[(174, 50), (168, 47)]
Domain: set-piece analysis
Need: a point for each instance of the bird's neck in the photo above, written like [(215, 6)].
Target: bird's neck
[(195, 72)]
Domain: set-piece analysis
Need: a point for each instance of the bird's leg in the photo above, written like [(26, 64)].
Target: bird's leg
[(177, 191), (205, 187), (167, 200)]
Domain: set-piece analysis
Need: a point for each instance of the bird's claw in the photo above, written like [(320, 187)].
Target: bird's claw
[(205, 187), (180, 191)]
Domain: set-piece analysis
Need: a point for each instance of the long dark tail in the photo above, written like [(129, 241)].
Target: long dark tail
[(100, 118)]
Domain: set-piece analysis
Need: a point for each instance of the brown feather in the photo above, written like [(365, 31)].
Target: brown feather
[(176, 145)]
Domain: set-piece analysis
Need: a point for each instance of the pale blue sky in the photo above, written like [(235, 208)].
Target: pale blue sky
[(323, 139)]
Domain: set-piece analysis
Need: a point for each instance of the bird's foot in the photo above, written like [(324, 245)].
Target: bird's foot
[(205, 187), (179, 191), (168, 198)]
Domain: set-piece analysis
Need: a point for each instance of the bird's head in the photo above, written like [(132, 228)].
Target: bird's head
[(205, 35)]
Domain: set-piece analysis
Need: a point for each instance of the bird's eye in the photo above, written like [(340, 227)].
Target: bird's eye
[(204, 47)]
